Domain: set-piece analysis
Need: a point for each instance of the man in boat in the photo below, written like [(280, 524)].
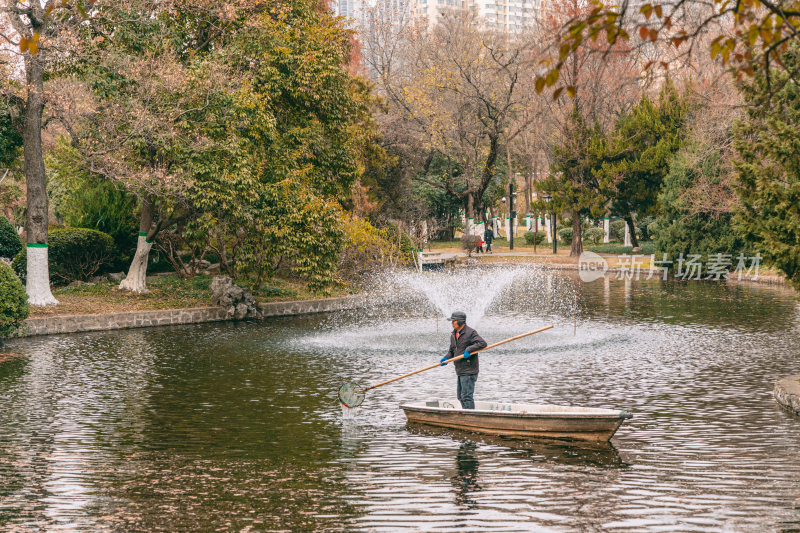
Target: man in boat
[(464, 340)]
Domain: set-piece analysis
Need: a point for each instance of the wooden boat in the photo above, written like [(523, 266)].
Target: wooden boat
[(520, 419)]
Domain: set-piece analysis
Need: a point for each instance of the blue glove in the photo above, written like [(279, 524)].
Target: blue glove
[(466, 354), (443, 359)]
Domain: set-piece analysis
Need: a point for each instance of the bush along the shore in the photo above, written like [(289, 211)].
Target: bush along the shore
[(540, 237), (367, 248), (10, 243), (594, 235), (13, 302), (616, 230), (565, 234), (74, 254)]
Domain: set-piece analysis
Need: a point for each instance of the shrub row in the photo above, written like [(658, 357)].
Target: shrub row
[(74, 254), (13, 302), (10, 243), (540, 236)]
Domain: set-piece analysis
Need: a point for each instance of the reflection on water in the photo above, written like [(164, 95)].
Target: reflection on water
[(237, 426), (594, 454), (465, 482)]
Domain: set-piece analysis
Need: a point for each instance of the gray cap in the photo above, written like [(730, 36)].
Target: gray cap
[(460, 316)]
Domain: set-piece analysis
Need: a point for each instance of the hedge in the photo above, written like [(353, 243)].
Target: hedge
[(10, 243), (541, 237), (13, 302), (74, 254)]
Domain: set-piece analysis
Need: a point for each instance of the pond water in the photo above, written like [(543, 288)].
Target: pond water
[(236, 427)]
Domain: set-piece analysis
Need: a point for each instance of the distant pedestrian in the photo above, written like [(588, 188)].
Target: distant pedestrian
[(488, 237)]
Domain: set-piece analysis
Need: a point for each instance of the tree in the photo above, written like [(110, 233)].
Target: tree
[(10, 152), (646, 139), (85, 200), (293, 143), (38, 28), (147, 84), (575, 182), (697, 203), (454, 89), (748, 36), (768, 167)]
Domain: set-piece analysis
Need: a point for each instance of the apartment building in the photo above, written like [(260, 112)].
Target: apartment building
[(504, 15)]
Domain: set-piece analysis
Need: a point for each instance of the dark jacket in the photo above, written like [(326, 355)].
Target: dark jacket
[(469, 340), (488, 235)]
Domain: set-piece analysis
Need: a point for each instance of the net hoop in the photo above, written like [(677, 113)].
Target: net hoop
[(351, 394)]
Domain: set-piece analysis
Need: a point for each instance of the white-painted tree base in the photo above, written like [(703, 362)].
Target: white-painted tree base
[(136, 280), (37, 285)]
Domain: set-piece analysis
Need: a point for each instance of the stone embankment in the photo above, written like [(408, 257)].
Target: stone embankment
[(168, 317)]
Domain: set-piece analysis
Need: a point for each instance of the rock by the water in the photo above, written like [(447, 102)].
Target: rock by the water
[(240, 303), (787, 393)]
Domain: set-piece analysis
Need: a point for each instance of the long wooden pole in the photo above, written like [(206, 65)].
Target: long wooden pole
[(456, 358)]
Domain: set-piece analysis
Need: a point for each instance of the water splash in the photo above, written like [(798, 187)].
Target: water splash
[(472, 290), (349, 413)]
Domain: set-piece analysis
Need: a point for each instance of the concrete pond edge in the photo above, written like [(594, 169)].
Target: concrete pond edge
[(787, 394), (169, 317)]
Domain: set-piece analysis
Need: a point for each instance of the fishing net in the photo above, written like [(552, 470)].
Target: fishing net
[(351, 394)]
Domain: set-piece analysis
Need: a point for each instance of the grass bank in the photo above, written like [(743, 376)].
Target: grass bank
[(167, 291)]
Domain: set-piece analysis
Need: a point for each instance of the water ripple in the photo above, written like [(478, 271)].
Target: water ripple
[(236, 427)]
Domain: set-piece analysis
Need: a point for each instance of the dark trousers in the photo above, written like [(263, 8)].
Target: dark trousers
[(466, 387), (488, 246)]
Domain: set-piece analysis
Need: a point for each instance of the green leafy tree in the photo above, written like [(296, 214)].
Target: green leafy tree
[(10, 140), (768, 166), (86, 200), (645, 139), (294, 140), (10, 152), (149, 92), (576, 183), (697, 204), (443, 207), (239, 126)]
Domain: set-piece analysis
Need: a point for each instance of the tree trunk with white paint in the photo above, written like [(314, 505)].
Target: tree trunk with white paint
[(630, 225), (37, 284), (136, 280)]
